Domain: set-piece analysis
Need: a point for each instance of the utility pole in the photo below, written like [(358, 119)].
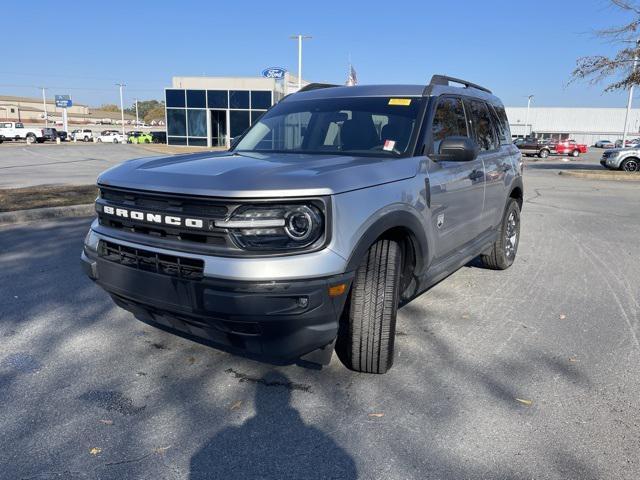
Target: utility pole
[(137, 122), (44, 107), (630, 100), (300, 38), (526, 119), (122, 85)]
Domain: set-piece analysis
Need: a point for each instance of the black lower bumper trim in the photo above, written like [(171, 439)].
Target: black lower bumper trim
[(280, 319)]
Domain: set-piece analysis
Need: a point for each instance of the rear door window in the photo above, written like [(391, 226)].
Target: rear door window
[(482, 126)]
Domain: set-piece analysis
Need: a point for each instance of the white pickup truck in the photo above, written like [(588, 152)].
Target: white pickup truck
[(17, 131)]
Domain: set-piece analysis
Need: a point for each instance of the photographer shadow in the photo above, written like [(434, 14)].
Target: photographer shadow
[(274, 443)]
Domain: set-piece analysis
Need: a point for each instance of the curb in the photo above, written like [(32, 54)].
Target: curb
[(612, 176), (22, 216)]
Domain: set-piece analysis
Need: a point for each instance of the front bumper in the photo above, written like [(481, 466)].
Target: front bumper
[(284, 319)]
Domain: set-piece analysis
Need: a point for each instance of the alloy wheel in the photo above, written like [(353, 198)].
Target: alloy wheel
[(511, 235)]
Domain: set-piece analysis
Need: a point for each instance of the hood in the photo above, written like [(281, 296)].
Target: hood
[(253, 175), (617, 150)]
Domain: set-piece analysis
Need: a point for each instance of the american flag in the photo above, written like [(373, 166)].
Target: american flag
[(352, 78)]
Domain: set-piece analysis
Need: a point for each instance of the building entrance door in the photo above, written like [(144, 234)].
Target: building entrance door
[(219, 128)]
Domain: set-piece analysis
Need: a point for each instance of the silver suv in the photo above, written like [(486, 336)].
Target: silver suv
[(626, 159), (337, 207)]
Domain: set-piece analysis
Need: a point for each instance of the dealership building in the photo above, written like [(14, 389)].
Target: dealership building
[(584, 125), (210, 111)]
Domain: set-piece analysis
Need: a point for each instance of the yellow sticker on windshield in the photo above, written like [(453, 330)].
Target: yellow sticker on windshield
[(400, 101)]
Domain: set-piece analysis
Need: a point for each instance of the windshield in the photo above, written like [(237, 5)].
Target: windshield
[(357, 126)]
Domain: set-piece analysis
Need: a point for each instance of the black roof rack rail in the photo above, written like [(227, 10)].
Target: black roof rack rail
[(445, 80), (316, 86)]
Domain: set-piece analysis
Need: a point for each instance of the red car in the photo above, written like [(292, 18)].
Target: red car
[(571, 148)]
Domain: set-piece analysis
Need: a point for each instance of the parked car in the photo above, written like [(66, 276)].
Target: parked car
[(625, 159), (1, 138), (82, 134), (139, 137), (51, 134), (17, 131), (628, 143), (158, 137), (571, 148), (288, 248), (532, 146), (604, 144), (111, 136)]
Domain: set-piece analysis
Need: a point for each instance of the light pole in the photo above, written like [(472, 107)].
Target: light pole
[(526, 119), (122, 85), (300, 38), (626, 117), (44, 107), (137, 122)]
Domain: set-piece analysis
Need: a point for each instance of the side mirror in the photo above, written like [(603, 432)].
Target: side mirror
[(458, 149)]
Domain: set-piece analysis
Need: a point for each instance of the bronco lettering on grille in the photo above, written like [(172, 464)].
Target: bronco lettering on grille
[(170, 220)]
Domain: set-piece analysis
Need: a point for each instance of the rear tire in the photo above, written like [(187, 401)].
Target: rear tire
[(367, 329), (31, 138), (504, 250), (543, 153), (575, 153)]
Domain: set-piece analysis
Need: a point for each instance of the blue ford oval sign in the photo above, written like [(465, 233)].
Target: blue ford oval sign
[(273, 72)]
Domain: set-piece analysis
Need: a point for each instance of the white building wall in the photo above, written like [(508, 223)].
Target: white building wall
[(585, 125)]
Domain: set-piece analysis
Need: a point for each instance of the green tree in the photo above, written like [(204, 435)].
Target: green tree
[(154, 113), (144, 107)]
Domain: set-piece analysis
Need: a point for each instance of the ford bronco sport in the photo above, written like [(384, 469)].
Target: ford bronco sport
[(338, 206)]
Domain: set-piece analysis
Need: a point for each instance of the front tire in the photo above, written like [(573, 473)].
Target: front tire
[(630, 165), (367, 329), (504, 250), (575, 153), (543, 153)]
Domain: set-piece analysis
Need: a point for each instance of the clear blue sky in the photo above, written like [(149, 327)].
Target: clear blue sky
[(514, 48)]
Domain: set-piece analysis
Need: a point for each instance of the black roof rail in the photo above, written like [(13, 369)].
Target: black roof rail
[(316, 86), (445, 80)]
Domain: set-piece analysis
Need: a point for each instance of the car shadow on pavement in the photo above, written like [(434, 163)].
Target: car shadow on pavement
[(274, 443)]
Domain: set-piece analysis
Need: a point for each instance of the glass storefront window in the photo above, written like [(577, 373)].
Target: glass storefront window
[(196, 99), (260, 99), (176, 121), (197, 123), (197, 142), (217, 99), (177, 141), (239, 99), (239, 121), (175, 98), (255, 115)]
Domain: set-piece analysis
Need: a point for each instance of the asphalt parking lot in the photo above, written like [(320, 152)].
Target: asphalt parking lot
[(24, 165), (527, 373)]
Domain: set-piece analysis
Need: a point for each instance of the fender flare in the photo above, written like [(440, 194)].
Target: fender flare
[(394, 219)]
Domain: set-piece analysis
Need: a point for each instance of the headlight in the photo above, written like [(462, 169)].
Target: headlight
[(276, 227), (91, 240)]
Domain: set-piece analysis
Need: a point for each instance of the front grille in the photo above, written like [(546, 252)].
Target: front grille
[(174, 266), (207, 210)]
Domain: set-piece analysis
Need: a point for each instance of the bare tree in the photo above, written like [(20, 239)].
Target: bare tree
[(598, 67)]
